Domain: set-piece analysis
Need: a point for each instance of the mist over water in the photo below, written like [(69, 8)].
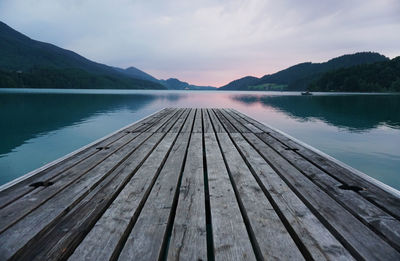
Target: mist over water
[(39, 126)]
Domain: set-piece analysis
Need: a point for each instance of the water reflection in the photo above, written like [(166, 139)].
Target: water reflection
[(24, 116), (38, 126), (351, 112)]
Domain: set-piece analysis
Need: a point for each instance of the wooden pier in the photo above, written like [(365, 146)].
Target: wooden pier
[(198, 184)]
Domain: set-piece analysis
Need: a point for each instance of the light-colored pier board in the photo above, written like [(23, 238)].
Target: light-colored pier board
[(198, 184)]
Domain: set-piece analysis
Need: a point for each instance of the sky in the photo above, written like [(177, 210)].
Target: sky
[(209, 42)]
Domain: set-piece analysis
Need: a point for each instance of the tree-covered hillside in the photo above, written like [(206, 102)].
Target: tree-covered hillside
[(376, 77), (175, 84), (136, 73), (69, 78), (26, 63), (299, 77)]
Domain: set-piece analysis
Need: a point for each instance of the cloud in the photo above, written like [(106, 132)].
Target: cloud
[(209, 42)]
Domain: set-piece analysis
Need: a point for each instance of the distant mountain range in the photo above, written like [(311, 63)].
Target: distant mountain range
[(300, 76), (136, 73), (170, 84), (27, 63), (175, 84)]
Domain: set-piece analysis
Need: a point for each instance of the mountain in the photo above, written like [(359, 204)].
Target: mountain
[(170, 84), (175, 84), (241, 84), (136, 73), (299, 77), (377, 77), (32, 64)]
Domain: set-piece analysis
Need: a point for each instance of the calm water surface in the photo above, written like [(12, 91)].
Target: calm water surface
[(39, 126)]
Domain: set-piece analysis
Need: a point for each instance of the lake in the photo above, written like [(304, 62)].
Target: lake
[(39, 126)]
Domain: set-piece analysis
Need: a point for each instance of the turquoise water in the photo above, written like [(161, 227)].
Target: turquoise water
[(39, 126)]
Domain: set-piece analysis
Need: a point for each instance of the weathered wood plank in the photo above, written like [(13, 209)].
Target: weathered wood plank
[(217, 125), (198, 125), (167, 126), (247, 126), (316, 240), (249, 120), (149, 231), (15, 211), (60, 240), (23, 188), (228, 126), (181, 120), (17, 236), (144, 127), (373, 193), (188, 237), (20, 189), (123, 212), (272, 239), (313, 239), (187, 127), (24, 205), (378, 220), (23, 231), (358, 238), (208, 128), (238, 126), (230, 238)]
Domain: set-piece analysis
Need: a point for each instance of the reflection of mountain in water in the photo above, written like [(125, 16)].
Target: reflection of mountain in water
[(353, 112), (24, 116)]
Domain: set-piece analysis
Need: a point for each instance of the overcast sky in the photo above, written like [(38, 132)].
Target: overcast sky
[(209, 42)]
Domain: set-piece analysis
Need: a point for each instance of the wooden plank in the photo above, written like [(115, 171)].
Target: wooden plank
[(272, 239), (238, 126), (144, 126), (358, 238), (59, 241), (250, 120), (187, 127), (167, 126), (63, 237), (17, 236), (378, 220), (125, 209), (208, 128), (228, 126), (52, 210), (230, 238), (123, 212), (388, 202), (20, 189), (181, 120), (316, 241), (150, 229), (188, 237), (247, 127), (371, 192), (216, 123), (198, 126), (26, 204)]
